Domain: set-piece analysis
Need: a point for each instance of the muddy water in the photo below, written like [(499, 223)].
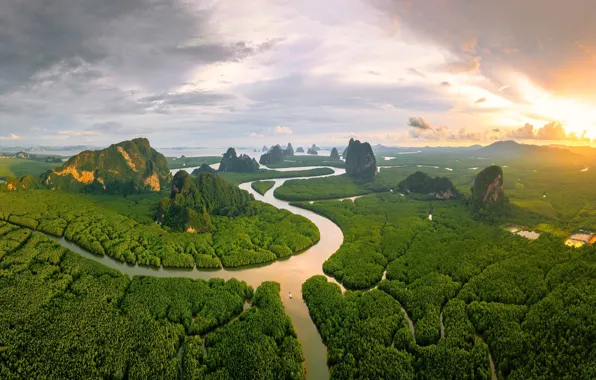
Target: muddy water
[(289, 273)]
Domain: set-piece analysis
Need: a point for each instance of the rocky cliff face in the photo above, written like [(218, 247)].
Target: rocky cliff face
[(20, 183), (123, 168), (334, 154), (360, 161), (231, 162), (488, 193), (438, 187)]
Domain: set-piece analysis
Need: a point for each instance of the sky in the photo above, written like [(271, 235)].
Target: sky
[(247, 73)]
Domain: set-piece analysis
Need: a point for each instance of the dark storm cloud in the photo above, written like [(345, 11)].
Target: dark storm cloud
[(148, 41), (296, 91), (36, 35), (551, 41), (210, 52)]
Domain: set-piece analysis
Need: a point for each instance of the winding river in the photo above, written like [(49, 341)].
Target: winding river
[(290, 273)]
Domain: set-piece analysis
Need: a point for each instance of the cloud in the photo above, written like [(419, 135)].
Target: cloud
[(419, 123), (469, 46), (503, 88), (201, 97), (442, 133), (78, 133), (216, 52), (11, 136), (281, 130), (496, 130), (525, 132), (508, 35), (299, 91), (417, 73), (480, 101), (551, 131), (445, 84), (468, 66)]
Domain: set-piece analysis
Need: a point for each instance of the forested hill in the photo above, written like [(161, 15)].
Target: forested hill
[(488, 200), (123, 168), (419, 182), (194, 199)]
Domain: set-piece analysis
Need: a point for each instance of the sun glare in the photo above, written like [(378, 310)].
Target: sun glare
[(575, 115)]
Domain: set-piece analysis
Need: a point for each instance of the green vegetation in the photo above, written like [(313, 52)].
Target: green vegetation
[(190, 162), (194, 199), (94, 223), (334, 154), (301, 161), (20, 183), (276, 154), (140, 207), (487, 200), (260, 344), (237, 178), (204, 168), (231, 162), (420, 182), (262, 187), (124, 168), (16, 167), (334, 187), (530, 303), (64, 316), (360, 161)]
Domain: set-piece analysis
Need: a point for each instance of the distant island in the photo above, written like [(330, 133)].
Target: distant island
[(231, 162)]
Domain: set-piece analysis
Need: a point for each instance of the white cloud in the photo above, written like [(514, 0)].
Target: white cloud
[(12, 136), (78, 133), (281, 130)]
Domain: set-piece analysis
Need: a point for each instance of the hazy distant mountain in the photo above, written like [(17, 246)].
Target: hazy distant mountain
[(585, 151), (123, 168), (548, 155)]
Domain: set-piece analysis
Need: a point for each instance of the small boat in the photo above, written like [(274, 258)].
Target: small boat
[(290, 295)]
